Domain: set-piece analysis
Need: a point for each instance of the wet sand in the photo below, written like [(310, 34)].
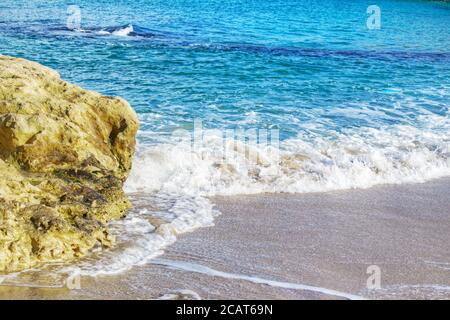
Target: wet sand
[(296, 247)]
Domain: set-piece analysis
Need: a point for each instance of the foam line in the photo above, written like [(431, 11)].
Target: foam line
[(197, 268)]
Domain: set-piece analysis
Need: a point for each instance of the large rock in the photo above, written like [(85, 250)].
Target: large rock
[(65, 153)]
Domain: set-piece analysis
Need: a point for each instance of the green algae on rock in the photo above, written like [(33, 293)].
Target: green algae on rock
[(65, 153)]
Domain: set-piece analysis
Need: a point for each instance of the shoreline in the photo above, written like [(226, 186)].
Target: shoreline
[(304, 246)]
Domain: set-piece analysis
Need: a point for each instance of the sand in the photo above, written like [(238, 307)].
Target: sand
[(304, 246)]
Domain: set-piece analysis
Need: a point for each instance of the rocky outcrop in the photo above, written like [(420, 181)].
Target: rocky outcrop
[(65, 153)]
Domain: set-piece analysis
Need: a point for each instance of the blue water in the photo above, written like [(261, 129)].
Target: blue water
[(354, 107), (291, 62), (311, 69)]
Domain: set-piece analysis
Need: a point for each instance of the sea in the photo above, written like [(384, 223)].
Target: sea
[(247, 97)]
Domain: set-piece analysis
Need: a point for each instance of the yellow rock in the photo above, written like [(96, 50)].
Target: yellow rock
[(65, 153)]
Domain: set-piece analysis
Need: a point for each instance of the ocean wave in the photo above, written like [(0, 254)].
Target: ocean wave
[(353, 158), (197, 268), (127, 30), (152, 225), (120, 32), (170, 184)]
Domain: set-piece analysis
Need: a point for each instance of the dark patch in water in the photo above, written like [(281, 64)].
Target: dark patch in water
[(168, 39), (318, 53)]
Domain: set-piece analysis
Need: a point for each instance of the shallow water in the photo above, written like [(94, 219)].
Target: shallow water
[(351, 107)]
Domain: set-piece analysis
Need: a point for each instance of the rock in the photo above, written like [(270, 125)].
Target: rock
[(65, 153)]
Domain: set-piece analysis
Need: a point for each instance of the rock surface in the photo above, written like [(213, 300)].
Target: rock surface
[(65, 153)]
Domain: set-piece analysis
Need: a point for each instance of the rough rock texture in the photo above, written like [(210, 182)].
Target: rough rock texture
[(65, 153)]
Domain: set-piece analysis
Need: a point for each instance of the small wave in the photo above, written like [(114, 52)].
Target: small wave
[(131, 30), (170, 183), (182, 294), (121, 31), (128, 30), (197, 268), (152, 225), (124, 31)]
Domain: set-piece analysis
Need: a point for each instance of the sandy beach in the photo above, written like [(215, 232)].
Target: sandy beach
[(305, 246)]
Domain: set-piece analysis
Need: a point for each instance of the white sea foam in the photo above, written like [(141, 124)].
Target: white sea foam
[(124, 31), (178, 180), (197, 268), (357, 158), (144, 233), (182, 294), (170, 182), (119, 32)]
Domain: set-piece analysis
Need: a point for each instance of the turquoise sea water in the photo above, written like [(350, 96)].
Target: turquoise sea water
[(354, 107), (291, 62)]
